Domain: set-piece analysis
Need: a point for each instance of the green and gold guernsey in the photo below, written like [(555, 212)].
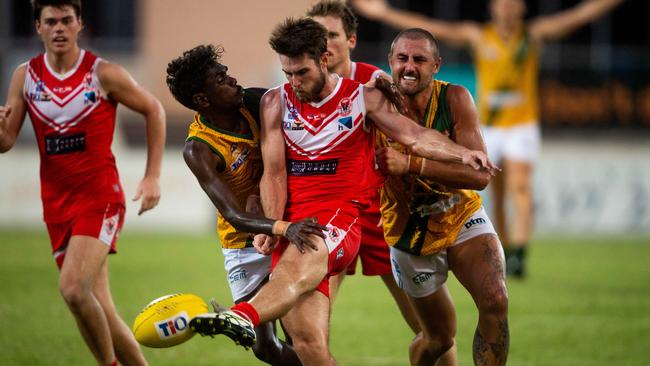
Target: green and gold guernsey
[(420, 216), (242, 161), (506, 73)]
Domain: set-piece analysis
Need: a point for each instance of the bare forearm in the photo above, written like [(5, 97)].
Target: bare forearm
[(273, 194), (155, 125), (455, 175), (247, 222), (435, 146)]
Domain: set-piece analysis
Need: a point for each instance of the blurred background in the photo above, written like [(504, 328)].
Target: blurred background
[(593, 175), (585, 302)]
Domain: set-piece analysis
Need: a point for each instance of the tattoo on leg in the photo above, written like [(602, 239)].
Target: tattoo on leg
[(487, 353), (492, 292)]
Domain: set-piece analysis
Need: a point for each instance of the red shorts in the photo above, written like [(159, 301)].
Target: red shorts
[(342, 238), (374, 252), (104, 224)]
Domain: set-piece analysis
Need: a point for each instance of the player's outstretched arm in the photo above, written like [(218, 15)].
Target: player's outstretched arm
[(204, 165), (555, 26), (456, 34), (465, 132), (12, 114), (418, 140), (122, 88)]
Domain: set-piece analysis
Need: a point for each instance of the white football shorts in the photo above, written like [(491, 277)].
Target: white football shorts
[(245, 270), (421, 276), (518, 143)]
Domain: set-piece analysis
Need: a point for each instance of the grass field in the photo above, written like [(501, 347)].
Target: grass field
[(586, 302)]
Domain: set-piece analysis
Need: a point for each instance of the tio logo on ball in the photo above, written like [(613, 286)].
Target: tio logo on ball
[(173, 326)]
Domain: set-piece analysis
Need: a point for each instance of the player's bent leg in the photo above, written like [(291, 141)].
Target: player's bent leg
[(295, 274), (308, 325), (126, 348), (81, 268), (335, 285), (268, 348), (438, 320), (402, 301), (478, 263)]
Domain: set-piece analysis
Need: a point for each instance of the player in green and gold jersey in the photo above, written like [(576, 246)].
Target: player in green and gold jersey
[(433, 219), (506, 58)]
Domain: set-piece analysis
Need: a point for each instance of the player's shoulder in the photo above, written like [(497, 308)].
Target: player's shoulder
[(271, 95), (457, 92)]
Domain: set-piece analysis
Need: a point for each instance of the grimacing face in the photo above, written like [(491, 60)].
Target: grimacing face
[(306, 76), (338, 43), (413, 65), (58, 28)]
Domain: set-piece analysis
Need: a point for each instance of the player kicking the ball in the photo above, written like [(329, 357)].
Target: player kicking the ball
[(314, 143), (223, 151)]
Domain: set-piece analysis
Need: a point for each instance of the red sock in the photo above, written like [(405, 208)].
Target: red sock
[(247, 311), (114, 363)]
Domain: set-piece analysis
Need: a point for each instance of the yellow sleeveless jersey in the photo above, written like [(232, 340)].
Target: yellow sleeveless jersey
[(243, 168), (420, 216), (506, 75)]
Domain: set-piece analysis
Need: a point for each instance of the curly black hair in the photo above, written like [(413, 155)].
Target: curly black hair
[(336, 9), (38, 5), (186, 75), (296, 37)]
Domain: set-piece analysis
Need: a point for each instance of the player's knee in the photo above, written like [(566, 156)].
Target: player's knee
[(74, 294), (431, 348), (311, 347), (496, 304)]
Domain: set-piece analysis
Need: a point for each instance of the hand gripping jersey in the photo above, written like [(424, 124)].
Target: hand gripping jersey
[(328, 148), (507, 79), (243, 161), (420, 216), (73, 120)]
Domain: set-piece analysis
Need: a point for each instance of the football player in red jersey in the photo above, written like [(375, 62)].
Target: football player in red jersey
[(313, 145), (71, 96), (341, 25)]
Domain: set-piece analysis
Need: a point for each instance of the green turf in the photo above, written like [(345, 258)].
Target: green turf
[(587, 302)]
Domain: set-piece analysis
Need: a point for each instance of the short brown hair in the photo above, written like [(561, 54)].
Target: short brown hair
[(38, 5), (415, 34), (337, 9), (296, 37)]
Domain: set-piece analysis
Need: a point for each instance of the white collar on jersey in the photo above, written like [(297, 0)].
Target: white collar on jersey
[(332, 94), (69, 72)]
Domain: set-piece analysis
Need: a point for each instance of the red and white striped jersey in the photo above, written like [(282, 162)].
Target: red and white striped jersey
[(362, 73), (328, 148), (73, 120)]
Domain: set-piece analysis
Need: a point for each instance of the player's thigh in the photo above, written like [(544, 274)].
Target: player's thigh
[(479, 265), (436, 313), (308, 320), (305, 269), (84, 258)]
